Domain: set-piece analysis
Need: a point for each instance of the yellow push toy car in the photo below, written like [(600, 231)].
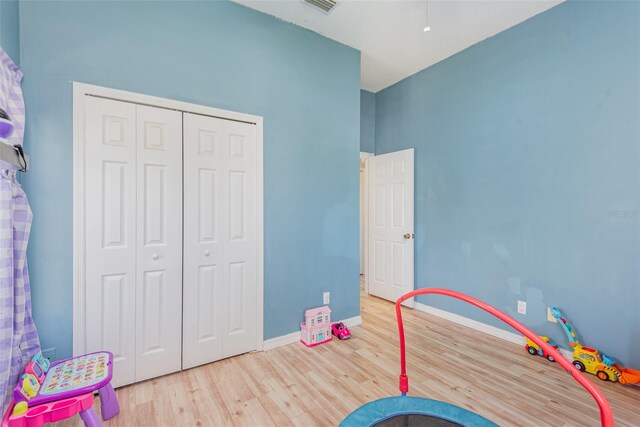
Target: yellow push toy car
[(590, 360)]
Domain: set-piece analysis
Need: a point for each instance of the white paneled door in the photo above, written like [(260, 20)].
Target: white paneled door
[(110, 194), (159, 242), (133, 237), (220, 239), (391, 233)]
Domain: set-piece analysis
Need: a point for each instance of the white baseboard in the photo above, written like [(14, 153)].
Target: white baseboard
[(353, 321), (479, 326), (473, 324), (294, 337), (276, 342), (566, 353)]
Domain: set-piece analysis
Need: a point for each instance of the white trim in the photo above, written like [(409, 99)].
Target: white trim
[(78, 224), (352, 321), (365, 156), (566, 353), (281, 341), (480, 327), (154, 101), (80, 90), (294, 337), (470, 323), (260, 232)]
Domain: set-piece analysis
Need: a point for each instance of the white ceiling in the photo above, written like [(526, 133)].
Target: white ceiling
[(390, 35)]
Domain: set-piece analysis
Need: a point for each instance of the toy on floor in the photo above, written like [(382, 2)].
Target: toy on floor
[(535, 350), (409, 411), (590, 360), (53, 392), (341, 331), (316, 329)]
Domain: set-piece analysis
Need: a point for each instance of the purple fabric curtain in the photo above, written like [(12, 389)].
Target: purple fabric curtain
[(11, 100), (18, 336)]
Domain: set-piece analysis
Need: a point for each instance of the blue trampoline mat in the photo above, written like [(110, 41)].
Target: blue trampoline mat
[(377, 411)]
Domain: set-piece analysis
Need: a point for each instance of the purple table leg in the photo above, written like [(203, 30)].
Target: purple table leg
[(90, 418), (108, 402)]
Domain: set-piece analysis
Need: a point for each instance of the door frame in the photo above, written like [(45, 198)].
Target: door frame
[(365, 216), (80, 91)]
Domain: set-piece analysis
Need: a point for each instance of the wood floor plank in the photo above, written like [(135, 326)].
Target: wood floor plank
[(299, 386)]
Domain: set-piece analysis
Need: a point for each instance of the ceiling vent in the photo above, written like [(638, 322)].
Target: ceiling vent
[(324, 5)]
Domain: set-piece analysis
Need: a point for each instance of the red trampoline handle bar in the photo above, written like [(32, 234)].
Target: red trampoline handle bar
[(606, 414)]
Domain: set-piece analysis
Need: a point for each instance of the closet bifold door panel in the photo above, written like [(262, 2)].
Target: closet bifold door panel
[(159, 249), (110, 233), (133, 237), (220, 239)]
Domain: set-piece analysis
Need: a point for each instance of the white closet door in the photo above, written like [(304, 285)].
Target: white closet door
[(110, 263), (133, 234), (204, 273), (159, 242), (239, 321), (220, 252)]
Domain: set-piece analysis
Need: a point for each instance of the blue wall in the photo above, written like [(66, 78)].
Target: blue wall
[(528, 171), (217, 54), (10, 29), (367, 122)]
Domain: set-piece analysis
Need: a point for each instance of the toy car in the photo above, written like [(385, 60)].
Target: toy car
[(534, 350), (341, 331), (588, 359)]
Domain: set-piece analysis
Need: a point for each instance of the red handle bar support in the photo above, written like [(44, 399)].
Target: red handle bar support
[(606, 414)]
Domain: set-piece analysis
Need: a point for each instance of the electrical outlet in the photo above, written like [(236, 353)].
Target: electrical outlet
[(550, 317), (49, 353), (522, 307), (326, 298)]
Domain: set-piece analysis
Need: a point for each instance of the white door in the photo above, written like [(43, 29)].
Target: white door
[(220, 239), (391, 238), (110, 263), (133, 193), (159, 242)]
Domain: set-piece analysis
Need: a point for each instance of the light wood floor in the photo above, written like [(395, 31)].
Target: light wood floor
[(294, 385)]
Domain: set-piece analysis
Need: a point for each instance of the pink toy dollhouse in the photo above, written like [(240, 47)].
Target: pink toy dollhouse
[(316, 329)]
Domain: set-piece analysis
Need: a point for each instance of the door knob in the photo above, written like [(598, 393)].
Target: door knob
[(206, 253), (408, 236), (155, 256)]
